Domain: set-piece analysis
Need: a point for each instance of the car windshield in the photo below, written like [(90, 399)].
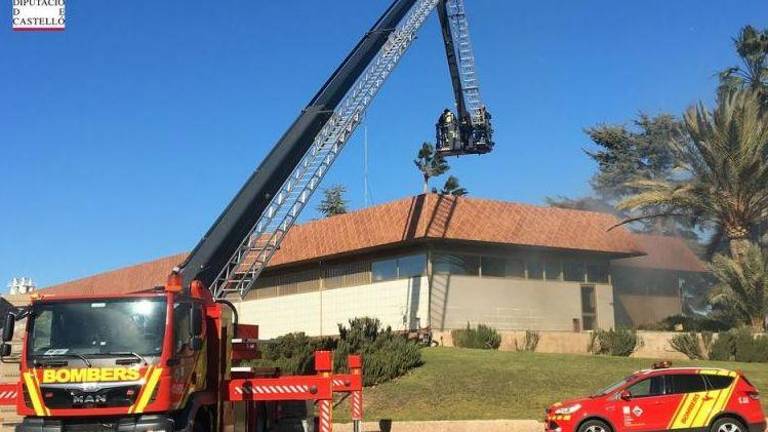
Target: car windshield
[(615, 386), (81, 328)]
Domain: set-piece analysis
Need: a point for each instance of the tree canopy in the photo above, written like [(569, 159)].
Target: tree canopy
[(333, 202)]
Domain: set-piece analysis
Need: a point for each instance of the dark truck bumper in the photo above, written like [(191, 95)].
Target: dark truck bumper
[(144, 423)]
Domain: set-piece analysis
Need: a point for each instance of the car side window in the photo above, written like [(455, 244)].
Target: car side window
[(717, 382), (687, 383), (653, 386)]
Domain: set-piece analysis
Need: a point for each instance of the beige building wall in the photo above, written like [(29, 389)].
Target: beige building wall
[(401, 304), (513, 304)]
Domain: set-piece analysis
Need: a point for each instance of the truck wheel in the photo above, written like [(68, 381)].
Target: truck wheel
[(727, 424), (596, 426)]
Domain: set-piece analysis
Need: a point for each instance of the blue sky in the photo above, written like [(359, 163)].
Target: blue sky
[(123, 137)]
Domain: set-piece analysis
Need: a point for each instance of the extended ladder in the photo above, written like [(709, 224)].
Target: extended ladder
[(264, 239)]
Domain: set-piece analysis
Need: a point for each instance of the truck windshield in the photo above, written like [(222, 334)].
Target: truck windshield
[(80, 328)]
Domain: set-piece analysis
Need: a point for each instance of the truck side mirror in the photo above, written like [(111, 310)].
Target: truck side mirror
[(197, 321), (5, 350), (8, 327)]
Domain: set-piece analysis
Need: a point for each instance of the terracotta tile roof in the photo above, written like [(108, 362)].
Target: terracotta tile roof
[(135, 278), (415, 218), (665, 253)]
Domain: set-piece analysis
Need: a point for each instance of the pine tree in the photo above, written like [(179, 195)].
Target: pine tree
[(333, 202)]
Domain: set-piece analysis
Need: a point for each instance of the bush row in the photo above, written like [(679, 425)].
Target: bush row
[(737, 344), (386, 354)]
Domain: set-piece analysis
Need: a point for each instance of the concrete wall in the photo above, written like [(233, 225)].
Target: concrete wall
[(402, 304), (655, 344), (513, 304)]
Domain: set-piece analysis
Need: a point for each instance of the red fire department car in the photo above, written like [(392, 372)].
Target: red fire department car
[(665, 398)]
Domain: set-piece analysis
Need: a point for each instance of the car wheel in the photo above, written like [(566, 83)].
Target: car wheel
[(727, 424), (596, 426)]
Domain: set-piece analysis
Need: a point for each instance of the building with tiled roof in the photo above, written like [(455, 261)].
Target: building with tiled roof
[(668, 280), (426, 261)]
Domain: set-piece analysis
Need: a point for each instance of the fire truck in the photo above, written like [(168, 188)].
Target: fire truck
[(175, 357)]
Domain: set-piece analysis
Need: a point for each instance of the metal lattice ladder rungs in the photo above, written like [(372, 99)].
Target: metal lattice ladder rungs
[(246, 265)]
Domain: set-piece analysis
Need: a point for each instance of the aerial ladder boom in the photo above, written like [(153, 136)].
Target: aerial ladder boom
[(469, 131), (238, 246)]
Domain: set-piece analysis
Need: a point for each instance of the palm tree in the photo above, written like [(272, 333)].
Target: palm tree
[(743, 285), (430, 163), (752, 47), (726, 167)]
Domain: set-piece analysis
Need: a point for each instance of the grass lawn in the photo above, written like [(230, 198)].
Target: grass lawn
[(463, 384)]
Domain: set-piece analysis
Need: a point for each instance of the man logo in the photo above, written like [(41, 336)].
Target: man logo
[(88, 399)]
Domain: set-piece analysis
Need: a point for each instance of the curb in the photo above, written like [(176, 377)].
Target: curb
[(446, 426)]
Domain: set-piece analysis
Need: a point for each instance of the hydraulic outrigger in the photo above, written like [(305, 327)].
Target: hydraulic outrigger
[(175, 357)]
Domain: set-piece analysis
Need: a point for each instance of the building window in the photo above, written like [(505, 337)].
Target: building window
[(598, 273), (467, 265), (503, 267), (573, 271), (402, 267), (535, 269), (588, 307), (384, 270), (412, 265), (552, 269)]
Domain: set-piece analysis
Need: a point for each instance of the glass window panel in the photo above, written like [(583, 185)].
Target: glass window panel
[(384, 270), (503, 267), (552, 269), (573, 271), (457, 264), (588, 299), (718, 382), (494, 266), (588, 321), (535, 269), (653, 386), (515, 268), (597, 272), (687, 383), (413, 265)]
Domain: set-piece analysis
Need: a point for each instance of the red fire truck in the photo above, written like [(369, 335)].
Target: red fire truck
[(174, 357)]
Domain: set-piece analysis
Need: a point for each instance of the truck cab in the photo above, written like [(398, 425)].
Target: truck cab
[(135, 361)]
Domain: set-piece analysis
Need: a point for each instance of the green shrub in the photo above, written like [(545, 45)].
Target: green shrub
[(739, 345), (530, 341), (750, 348), (620, 342), (482, 337), (688, 344), (723, 347), (293, 353), (386, 355)]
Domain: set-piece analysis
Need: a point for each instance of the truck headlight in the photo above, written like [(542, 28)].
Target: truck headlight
[(570, 409)]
